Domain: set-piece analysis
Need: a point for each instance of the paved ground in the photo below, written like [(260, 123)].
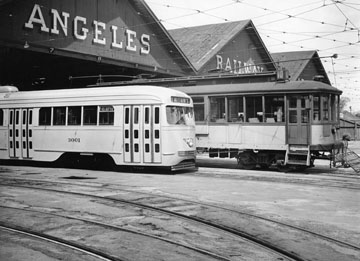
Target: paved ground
[(354, 145), (333, 211), (317, 206)]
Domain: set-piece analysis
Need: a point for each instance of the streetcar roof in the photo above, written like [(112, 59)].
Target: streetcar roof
[(260, 88), (135, 92)]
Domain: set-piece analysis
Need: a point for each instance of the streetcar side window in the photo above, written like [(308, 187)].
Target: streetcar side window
[(274, 106), (136, 115), (316, 107), (74, 115), (157, 115), (254, 111), (325, 108), (336, 107), (127, 115), (59, 115), (106, 115), (17, 116), (199, 108), (30, 116), (217, 109), (1, 117), (332, 107), (90, 115), (147, 115), (11, 117), (24, 117), (45, 116), (236, 109)]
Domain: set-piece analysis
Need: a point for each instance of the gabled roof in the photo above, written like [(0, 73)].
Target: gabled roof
[(201, 43), (296, 62)]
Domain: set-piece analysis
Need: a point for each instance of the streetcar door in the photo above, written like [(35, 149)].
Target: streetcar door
[(20, 133), (298, 120), (127, 136), (133, 134), (147, 135), (136, 134), (151, 147), (27, 133), (12, 141), (142, 134), (156, 141)]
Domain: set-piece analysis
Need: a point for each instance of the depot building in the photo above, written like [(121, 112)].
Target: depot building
[(44, 43), (68, 44)]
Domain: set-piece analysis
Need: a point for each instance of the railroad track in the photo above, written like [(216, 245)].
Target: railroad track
[(92, 248), (44, 243), (230, 246), (293, 242)]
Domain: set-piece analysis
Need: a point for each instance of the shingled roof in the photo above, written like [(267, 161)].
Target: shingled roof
[(201, 43), (301, 64)]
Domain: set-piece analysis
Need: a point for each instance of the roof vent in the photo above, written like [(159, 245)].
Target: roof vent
[(8, 88)]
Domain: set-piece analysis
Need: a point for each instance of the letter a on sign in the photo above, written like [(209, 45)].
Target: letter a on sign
[(37, 17)]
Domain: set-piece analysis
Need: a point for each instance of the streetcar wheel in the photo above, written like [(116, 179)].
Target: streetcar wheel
[(247, 160)]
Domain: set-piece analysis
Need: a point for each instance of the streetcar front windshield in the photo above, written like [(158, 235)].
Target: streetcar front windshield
[(179, 115)]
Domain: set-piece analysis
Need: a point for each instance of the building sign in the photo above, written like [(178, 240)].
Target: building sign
[(237, 67), (102, 34)]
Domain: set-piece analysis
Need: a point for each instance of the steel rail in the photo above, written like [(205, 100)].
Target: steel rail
[(99, 186), (201, 251), (253, 239), (59, 241)]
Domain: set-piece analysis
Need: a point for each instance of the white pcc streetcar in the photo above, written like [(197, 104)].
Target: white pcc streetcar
[(140, 126)]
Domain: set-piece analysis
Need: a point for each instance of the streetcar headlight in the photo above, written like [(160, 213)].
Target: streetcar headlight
[(189, 142)]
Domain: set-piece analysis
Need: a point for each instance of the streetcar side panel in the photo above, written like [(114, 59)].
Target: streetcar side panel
[(241, 136)]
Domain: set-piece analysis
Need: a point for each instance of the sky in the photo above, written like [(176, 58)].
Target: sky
[(327, 26)]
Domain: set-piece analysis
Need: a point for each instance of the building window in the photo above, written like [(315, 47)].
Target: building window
[(236, 109), (199, 108), (59, 115), (254, 111), (74, 115), (45, 116), (217, 109), (274, 109), (106, 115)]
